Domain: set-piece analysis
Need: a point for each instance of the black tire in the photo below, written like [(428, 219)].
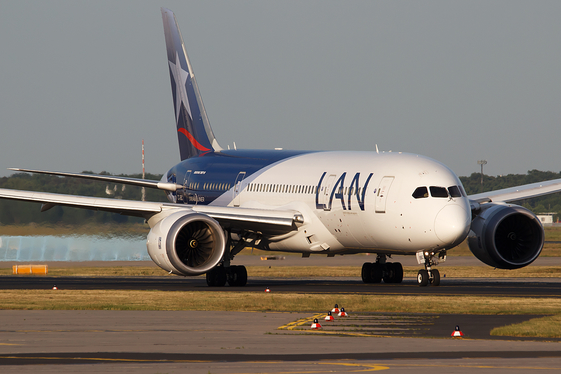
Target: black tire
[(422, 278), (216, 277), (389, 272), (398, 272), (238, 276), (377, 272), (366, 272), (435, 280)]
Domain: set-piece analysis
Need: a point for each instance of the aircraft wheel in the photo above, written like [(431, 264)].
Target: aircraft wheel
[(393, 272), (398, 272), (422, 278), (389, 273), (366, 272), (216, 277), (435, 279), (377, 272), (238, 276)]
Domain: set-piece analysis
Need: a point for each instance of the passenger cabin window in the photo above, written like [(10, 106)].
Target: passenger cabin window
[(421, 193), (438, 192)]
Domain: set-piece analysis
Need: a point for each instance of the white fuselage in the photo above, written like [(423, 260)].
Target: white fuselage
[(360, 202)]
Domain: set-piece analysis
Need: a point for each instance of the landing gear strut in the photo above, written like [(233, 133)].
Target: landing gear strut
[(429, 275), (390, 272), (235, 275)]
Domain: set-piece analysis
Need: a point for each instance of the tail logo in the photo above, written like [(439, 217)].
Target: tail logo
[(194, 133), (193, 141), (180, 77)]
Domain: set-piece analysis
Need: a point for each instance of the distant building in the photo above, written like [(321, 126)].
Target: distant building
[(546, 218)]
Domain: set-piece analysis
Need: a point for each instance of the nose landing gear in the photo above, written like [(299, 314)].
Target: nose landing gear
[(429, 275)]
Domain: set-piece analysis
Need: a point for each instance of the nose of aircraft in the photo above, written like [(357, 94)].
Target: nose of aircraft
[(452, 224)]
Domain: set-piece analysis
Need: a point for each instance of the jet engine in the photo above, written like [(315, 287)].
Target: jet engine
[(506, 236), (186, 244)]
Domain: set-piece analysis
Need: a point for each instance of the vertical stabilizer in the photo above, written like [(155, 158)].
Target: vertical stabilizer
[(193, 129)]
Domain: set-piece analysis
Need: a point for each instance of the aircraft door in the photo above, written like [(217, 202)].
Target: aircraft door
[(188, 191), (382, 194), (325, 192), (238, 187)]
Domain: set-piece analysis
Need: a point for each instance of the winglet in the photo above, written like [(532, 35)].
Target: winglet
[(193, 128)]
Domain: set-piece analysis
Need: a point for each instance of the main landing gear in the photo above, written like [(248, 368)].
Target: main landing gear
[(390, 272), (429, 275), (235, 275)]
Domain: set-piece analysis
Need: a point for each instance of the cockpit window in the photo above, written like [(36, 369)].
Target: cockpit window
[(455, 191), (421, 192), (438, 191)]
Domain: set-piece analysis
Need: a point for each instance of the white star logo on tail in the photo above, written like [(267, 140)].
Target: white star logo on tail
[(180, 77)]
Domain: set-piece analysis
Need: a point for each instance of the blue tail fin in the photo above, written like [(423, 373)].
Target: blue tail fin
[(193, 129)]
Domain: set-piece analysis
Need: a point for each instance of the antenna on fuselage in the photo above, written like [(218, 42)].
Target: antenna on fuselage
[(377, 151)]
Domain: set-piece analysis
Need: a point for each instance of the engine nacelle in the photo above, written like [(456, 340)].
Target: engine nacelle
[(186, 244), (506, 237)]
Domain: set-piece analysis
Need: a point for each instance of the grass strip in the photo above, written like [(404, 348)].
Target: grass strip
[(545, 327), (551, 232), (109, 229), (252, 301), (312, 271)]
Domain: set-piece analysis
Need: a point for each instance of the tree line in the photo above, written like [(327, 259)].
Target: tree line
[(19, 212), (545, 204)]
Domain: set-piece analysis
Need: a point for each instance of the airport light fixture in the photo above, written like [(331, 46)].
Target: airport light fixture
[(482, 162)]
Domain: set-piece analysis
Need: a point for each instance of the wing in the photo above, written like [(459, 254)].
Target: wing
[(228, 217), (526, 191), (109, 178)]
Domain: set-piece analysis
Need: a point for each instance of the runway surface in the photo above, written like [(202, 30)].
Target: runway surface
[(235, 342), (516, 287), (520, 287)]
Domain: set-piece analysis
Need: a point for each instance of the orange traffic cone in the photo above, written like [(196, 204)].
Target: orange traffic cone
[(329, 317), (457, 332), (335, 309), (267, 290), (342, 313), (316, 325), (55, 287)]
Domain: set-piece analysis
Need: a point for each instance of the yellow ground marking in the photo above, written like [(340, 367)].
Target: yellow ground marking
[(367, 367), (478, 366), (308, 320), (360, 367), (301, 321), (387, 366)]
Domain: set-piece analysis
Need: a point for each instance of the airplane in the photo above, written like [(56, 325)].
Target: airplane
[(309, 202)]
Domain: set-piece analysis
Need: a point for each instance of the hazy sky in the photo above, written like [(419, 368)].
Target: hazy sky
[(83, 82)]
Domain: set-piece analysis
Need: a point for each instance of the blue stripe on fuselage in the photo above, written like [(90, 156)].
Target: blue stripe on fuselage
[(212, 174)]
